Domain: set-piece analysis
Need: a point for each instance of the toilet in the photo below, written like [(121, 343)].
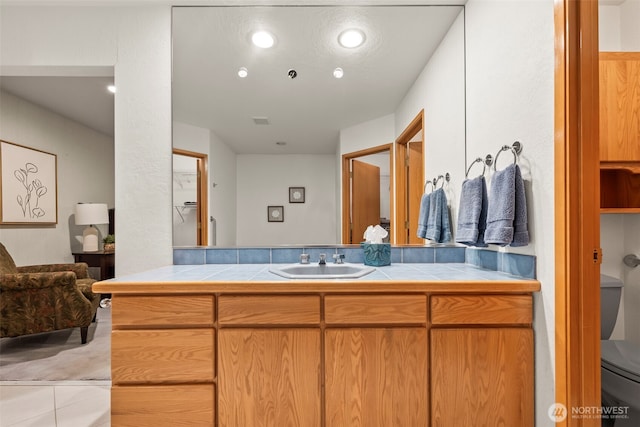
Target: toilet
[(620, 363)]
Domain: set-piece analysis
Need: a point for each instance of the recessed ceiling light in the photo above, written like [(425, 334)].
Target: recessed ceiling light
[(263, 39), (338, 73), (242, 72), (351, 38), (111, 88)]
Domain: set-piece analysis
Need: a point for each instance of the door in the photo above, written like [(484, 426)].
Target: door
[(365, 198), (415, 188), (190, 198), (382, 157), (269, 377), (376, 377), (482, 377), (409, 180)]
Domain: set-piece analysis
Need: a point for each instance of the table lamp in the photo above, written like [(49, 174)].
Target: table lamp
[(89, 214)]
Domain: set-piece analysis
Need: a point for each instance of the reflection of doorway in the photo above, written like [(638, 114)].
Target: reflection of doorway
[(189, 198), (409, 181), (366, 191)]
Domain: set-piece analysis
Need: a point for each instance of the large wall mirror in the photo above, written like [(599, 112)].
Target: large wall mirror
[(275, 118)]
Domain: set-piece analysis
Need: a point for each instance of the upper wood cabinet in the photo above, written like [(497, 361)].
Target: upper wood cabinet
[(620, 132), (620, 106)]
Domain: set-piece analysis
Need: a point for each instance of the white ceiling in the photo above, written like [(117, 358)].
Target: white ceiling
[(211, 43), (82, 99)]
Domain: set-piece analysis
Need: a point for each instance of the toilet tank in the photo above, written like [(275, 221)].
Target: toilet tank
[(610, 290)]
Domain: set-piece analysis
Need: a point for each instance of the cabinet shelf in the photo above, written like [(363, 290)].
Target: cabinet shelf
[(620, 187), (619, 210)]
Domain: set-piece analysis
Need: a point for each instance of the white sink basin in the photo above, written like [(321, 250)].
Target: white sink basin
[(327, 271)]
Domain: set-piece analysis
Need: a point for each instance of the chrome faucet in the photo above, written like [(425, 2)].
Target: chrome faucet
[(338, 258), (304, 258), (323, 259)]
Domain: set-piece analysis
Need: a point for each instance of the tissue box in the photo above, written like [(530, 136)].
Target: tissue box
[(377, 254)]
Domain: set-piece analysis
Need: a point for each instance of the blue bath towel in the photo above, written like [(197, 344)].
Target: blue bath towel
[(472, 217), (438, 223), (507, 209), (423, 216)]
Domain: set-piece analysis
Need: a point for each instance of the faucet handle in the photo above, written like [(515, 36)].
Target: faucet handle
[(304, 258), (339, 258)]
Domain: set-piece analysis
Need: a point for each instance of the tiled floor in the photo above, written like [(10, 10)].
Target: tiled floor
[(55, 404)]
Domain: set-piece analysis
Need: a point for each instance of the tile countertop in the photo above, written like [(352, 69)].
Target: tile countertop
[(456, 277)]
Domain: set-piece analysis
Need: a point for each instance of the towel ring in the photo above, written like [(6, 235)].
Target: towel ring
[(446, 177), (425, 185), (478, 160), (516, 148), (488, 161)]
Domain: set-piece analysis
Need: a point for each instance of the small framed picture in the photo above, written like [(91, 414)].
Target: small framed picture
[(275, 213), (296, 194)]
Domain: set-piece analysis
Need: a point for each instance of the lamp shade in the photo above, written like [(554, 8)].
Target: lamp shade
[(92, 213)]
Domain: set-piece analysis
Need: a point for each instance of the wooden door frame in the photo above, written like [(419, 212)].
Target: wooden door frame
[(577, 202), (346, 187), (202, 193), (416, 125)]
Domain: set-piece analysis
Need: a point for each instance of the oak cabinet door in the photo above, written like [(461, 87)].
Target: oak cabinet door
[(620, 106), (482, 377), (269, 377), (376, 377)]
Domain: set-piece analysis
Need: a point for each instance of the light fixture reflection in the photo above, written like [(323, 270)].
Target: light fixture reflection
[(351, 38), (111, 88), (338, 73), (242, 72), (262, 39)]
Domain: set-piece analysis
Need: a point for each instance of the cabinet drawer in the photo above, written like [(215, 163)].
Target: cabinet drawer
[(375, 309), (157, 355), (481, 309), (269, 310), (162, 311), (171, 405)]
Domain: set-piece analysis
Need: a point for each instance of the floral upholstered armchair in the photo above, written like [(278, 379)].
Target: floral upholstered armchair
[(44, 298)]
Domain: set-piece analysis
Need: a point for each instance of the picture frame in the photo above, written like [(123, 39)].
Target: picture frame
[(296, 194), (28, 185), (275, 213)]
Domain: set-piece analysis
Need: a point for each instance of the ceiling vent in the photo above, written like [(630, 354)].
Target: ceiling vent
[(260, 120)]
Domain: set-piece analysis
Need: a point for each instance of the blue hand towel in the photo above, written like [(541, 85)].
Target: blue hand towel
[(520, 227), (482, 221), (438, 224), (504, 212), (445, 230), (423, 216), (472, 217)]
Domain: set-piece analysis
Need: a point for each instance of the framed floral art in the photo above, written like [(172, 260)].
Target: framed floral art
[(28, 185)]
